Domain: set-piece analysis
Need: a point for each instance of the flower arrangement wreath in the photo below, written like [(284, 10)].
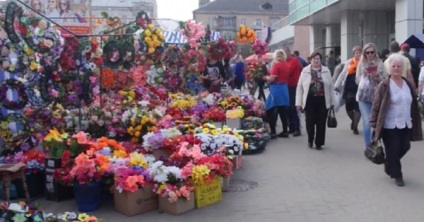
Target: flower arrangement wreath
[(112, 54), (11, 53), (12, 11), (34, 95), (22, 96)]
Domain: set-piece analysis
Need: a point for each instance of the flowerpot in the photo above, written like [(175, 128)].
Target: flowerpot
[(133, 203), (237, 161), (225, 183), (52, 163), (207, 194), (217, 124), (35, 184), (160, 153), (234, 123), (55, 191), (181, 206), (87, 196)]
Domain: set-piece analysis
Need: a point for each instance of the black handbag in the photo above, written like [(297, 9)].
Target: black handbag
[(331, 119), (375, 152)]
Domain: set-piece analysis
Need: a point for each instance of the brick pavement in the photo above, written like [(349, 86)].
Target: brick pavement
[(296, 184)]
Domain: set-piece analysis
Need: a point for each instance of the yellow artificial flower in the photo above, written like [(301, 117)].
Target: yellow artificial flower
[(246, 146), (55, 135), (158, 32), (147, 33), (199, 173), (33, 65), (214, 132), (28, 51), (147, 40), (151, 49), (154, 37), (150, 26), (119, 153), (130, 130), (206, 130), (83, 217), (137, 159)]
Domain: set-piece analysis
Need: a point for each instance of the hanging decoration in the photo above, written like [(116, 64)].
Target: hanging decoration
[(19, 87), (193, 32), (246, 35)]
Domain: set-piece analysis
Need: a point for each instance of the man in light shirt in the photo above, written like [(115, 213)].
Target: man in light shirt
[(406, 72)]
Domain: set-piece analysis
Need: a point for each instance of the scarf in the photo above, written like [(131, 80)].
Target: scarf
[(351, 69)]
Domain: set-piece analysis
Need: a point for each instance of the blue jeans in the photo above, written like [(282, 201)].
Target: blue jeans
[(365, 109)]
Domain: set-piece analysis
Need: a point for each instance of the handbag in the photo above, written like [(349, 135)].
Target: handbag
[(331, 119), (375, 152)]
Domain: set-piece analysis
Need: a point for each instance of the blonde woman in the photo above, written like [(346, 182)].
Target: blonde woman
[(395, 117), (52, 9), (369, 74), (315, 96), (278, 99)]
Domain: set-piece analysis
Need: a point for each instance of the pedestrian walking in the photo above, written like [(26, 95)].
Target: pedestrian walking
[(346, 84), (369, 74), (395, 117), (315, 96)]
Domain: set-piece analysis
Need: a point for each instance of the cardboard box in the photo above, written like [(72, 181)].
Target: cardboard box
[(141, 201), (207, 194), (179, 207), (217, 124), (234, 123), (225, 183), (237, 162)]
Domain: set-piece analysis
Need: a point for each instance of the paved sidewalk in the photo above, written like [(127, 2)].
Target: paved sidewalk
[(290, 182)]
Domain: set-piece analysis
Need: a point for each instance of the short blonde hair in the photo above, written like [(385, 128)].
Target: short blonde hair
[(279, 55)]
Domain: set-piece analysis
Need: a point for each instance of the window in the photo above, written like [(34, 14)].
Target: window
[(258, 34), (210, 21), (243, 21), (258, 22)]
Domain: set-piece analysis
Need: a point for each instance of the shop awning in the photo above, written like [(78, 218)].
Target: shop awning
[(177, 38), (416, 41)]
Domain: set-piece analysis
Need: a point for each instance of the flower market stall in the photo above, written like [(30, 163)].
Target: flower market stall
[(119, 117)]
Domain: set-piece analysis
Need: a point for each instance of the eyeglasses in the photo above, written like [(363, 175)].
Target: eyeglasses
[(369, 52)]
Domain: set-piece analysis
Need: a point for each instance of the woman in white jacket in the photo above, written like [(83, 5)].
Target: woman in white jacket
[(315, 95)]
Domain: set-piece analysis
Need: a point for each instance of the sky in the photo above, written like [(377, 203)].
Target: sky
[(180, 10)]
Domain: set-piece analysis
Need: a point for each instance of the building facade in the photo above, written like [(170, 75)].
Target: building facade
[(124, 9), (225, 16), (341, 24)]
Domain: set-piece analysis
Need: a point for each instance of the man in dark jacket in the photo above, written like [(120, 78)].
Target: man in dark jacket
[(415, 65)]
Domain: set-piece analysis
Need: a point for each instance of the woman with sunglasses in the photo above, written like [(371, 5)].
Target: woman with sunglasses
[(369, 73)]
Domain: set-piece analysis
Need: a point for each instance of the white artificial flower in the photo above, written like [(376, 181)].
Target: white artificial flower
[(175, 171), (143, 103)]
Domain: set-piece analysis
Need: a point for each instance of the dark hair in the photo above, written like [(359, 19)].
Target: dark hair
[(296, 53), (394, 46), (316, 53)]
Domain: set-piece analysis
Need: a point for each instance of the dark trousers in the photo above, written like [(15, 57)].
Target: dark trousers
[(294, 122), (261, 85), (316, 118), (238, 83), (397, 143), (272, 116)]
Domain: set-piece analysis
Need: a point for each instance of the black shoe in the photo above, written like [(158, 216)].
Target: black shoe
[(292, 131), (283, 134), (351, 126), (318, 147), (297, 133), (310, 145), (399, 182), (355, 131)]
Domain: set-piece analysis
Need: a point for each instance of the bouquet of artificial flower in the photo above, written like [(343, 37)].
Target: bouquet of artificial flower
[(55, 143), (34, 160), (254, 70), (86, 169), (214, 114), (173, 191), (246, 35), (131, 179), (260, 48), (235, 113), (193, 32)]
